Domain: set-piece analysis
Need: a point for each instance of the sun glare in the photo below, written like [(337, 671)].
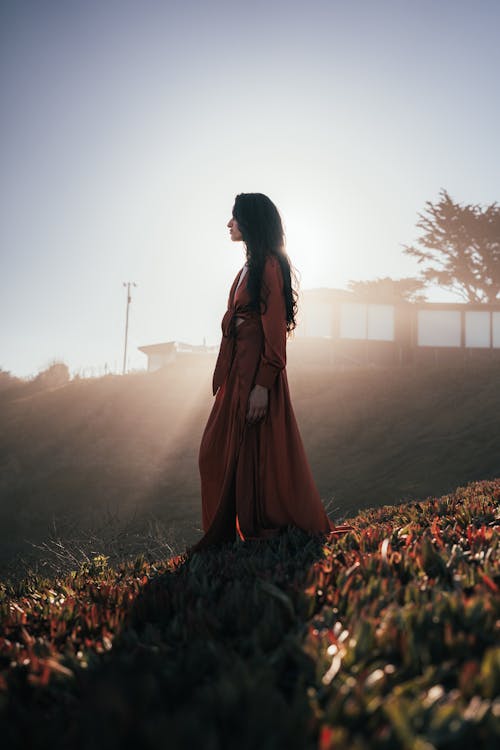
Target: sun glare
[(310, 248)]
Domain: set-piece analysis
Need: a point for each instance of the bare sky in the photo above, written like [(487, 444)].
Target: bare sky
[(127, 129)]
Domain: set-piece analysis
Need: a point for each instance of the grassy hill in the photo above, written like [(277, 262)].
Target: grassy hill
[(110, 464), (385, 638)]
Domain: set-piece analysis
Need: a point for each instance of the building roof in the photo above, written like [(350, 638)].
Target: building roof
[(178, 346), (325, 294)]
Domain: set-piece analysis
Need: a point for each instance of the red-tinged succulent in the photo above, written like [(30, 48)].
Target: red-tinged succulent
[(384, 637)]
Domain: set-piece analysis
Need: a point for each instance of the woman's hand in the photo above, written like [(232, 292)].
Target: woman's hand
[(257, 403)]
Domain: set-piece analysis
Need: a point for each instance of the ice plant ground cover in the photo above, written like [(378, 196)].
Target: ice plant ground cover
[(384, 638)]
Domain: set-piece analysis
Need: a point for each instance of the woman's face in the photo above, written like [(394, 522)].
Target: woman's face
[(234, 230)]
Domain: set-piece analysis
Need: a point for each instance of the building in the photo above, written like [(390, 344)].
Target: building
[(160, 355), (336, 328), (359, 330)]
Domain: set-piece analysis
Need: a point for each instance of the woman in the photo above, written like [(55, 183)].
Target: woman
[(255, 477)]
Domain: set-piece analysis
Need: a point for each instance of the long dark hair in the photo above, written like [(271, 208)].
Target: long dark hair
[(261, 227)]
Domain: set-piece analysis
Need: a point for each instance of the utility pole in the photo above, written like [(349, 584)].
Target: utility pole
[(128, 284)]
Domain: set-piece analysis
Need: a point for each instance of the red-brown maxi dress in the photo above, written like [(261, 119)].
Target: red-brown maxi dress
[(255, 478)]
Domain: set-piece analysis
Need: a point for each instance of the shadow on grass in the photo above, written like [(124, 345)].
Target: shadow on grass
[(209, 656)]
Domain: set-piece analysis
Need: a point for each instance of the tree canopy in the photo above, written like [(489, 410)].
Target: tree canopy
[(460, 246), (389, 290)]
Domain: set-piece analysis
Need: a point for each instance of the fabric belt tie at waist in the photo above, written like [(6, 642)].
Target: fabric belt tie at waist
[(226, 351)]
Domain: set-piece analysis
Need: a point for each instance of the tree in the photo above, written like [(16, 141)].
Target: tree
[(389, 290), (461, 247), (56, 374)]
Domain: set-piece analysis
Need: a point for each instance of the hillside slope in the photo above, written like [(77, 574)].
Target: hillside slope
[(385, 638), (131, 443)]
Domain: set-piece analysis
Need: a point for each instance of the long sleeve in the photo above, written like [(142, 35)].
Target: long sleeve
[(273, 356)]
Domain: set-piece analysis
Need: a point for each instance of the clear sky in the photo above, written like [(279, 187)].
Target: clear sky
[(127, 129)]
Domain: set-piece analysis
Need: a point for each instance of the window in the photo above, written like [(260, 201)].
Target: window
[(352, 320), (438, 327), (381, 322), (477, 328), (366, 321), (495, 321)]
